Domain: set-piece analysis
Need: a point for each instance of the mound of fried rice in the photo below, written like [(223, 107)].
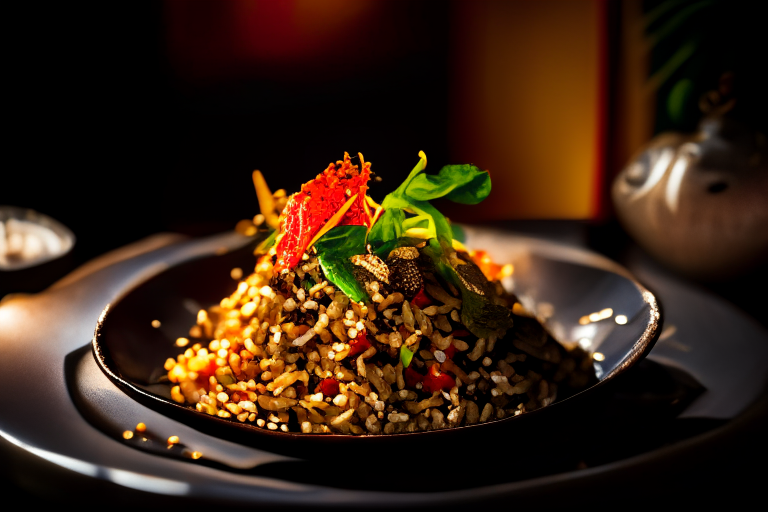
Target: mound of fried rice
[(290, 352)]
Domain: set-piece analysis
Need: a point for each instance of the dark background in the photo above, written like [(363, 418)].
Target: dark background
[(108, 138), (128, 119), (109, 132)]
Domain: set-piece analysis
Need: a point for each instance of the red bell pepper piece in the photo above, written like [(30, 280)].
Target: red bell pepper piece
[(359, 345), (329, 387), (435, 380), (412, 377), (421, 299)]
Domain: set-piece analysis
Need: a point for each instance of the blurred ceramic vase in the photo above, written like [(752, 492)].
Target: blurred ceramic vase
[(698, 202)]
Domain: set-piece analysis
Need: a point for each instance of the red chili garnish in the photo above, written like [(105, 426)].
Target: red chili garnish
[(435, 380), (329, 387), (404, 332), (358, 345), (421, 299), (460, 333), (412, 377), (307, 211)]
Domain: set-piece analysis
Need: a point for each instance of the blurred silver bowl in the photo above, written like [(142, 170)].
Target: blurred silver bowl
[(34, 250)]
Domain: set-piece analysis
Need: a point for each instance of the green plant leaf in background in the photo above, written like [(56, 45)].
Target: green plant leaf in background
[(676, 20), (690, 44), (678, 98)]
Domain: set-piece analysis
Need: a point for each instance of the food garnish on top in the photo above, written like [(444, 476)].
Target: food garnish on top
[(337, 193), (366, 318)]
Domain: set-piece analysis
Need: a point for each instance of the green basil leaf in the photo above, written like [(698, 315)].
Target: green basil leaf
[(396, 201), (439, 223), (341, 274), (400, 191), (405, 356), (437, 253), (333, 252), (483, 317), (479, 313), (421, 221), (458, 233), (465, 184), (389, 226), (343, 241)]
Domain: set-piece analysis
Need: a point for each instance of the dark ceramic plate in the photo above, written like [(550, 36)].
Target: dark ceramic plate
[(565, 283)]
